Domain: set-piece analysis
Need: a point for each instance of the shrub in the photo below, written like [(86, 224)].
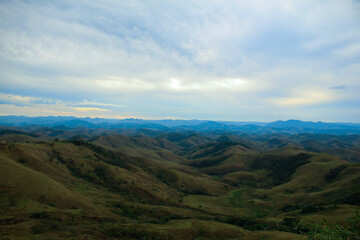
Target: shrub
[(281, 168), (40, 215), (333, 173), (327, 231), (290, 207)]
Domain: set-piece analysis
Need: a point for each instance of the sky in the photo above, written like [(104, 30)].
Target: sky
[(234, 60)]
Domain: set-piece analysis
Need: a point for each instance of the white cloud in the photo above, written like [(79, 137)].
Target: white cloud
[(13, 104), (123, 84), (309, 97), (25, 100), (352, 50), (218, 85), (135, 53), (90, 109), (92, 103)]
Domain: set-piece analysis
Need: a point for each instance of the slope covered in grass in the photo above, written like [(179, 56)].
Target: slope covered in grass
[(140, 187)]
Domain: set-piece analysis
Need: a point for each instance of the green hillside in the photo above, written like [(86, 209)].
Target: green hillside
[(120, 187)]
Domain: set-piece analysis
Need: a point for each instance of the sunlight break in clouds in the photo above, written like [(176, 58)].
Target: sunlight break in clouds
[(89, 109), (304, 98), (211, 85), (243, 60)]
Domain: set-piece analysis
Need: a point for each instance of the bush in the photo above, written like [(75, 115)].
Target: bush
[(290, 207), (166, 176), (45, 226), (131, 232), (243, 222), (40, 215), (281, 168), (292, 224), (312, 208), (333, 173), (327, 231), (103, 172)]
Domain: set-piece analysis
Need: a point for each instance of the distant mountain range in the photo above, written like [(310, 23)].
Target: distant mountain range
[(339, 139), (285, 127)]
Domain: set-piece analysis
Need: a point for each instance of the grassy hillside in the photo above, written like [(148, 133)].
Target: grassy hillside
[(169, 187)]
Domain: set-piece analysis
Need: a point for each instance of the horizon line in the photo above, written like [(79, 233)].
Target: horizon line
[(172, 119)]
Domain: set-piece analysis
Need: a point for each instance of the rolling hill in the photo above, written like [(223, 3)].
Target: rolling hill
[(173, 185)]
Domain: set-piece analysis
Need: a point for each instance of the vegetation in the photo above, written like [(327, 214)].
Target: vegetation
[(325, 230), (173, 186)]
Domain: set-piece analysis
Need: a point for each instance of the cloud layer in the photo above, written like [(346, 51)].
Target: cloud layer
[(243, 60)]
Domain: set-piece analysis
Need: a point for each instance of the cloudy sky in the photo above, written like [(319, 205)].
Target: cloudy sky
[(238, 60)]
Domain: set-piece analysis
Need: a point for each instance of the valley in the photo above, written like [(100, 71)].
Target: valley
[(146, 183)]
